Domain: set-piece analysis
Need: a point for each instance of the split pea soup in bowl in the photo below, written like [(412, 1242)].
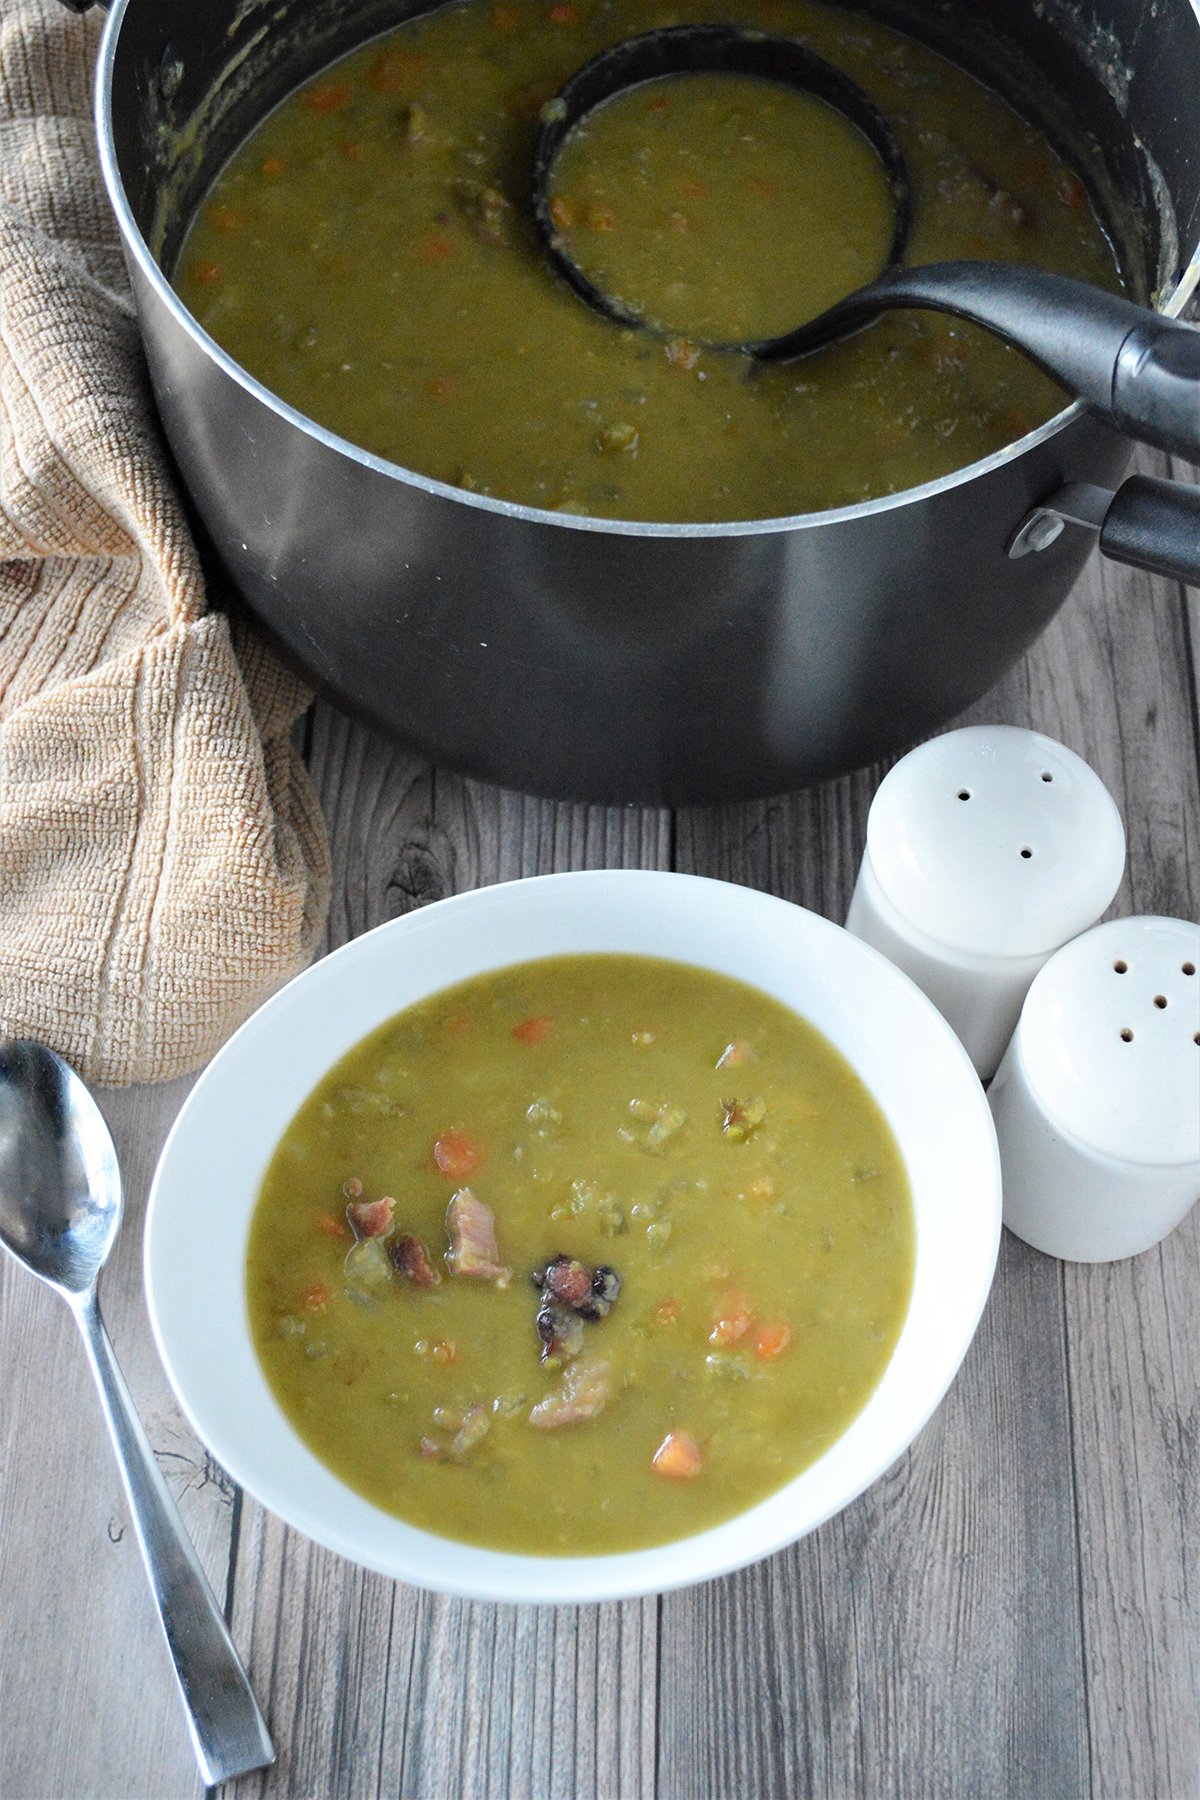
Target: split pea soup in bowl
[(575, 1238)]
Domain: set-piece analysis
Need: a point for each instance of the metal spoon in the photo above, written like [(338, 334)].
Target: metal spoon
[(60, 1208)]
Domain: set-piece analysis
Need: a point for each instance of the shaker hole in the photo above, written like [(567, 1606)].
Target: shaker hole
[(1026, 852), (1189, 968), (964, 793), (1121, 966), (1127, 1036), (1046, 775), (1160, 1000)]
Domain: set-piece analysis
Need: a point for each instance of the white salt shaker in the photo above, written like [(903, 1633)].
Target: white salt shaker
[(1097, 1100), (987, 848)]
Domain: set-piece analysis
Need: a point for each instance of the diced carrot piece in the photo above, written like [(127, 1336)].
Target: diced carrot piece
[(658, 103), (736, 1055), (431, 247), (273, 166), (456, 1154), (772, 1340), (352, 1188), (764, 190), (224, 220), (458, 1024), (1070, 190), (444, 1350), (563, 13), (396, 71), (562, 212), (441, 387), (600, 217), (1014, 422), (667, 1311), (206, 273), (678, 1457), (316, 1297), (331, 96), (504, 18), (534, 1031), (528, 101), (333, 1228), (694, 190), (681, 354), (349, 149)]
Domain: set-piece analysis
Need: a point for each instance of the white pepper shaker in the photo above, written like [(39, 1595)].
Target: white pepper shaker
[(1097, 1100), (987, 848)]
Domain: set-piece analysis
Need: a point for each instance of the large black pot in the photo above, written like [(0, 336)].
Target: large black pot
[(598, 660)]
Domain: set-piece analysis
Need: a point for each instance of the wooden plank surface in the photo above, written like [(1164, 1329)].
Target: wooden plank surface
[(86, 1696), (1009, 1611)]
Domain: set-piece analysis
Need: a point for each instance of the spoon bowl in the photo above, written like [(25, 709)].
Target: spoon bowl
[(60, 1186)]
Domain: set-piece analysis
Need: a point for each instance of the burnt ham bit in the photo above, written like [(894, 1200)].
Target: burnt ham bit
[(584, 1391), (560, 1330), (566, 1280), (411, 1259), (472, 1229), (371, 1218), (571, 1293), (606, 1285)]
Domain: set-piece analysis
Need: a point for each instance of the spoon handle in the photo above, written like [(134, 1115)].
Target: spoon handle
[(228, 1732)]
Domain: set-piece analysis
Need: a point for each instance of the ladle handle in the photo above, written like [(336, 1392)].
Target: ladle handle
[(228, 1732), (1134, 368)]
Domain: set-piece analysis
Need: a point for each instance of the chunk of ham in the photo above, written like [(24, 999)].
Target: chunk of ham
[(411, 1259), (584, 1391), (371, 1218), (472, 1229)]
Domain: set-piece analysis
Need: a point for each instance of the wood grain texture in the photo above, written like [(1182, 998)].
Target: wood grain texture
[(1033, 1631), (926, 1641), (1132, 1334), (81, 1652), (1012, 1610), (373, 1688)]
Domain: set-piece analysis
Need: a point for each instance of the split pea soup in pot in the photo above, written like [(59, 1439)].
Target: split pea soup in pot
[(369, 254), (584, 1255)]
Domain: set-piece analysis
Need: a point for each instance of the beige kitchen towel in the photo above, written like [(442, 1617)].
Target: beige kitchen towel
[(163, 863)]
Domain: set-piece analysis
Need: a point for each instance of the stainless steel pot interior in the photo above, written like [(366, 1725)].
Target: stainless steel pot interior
[(608, 660)]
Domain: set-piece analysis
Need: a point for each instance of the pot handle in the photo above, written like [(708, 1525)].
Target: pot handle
[(1147, 523)]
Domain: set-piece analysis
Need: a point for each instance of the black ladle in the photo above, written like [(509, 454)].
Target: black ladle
[(711, 50), (1136, 369)]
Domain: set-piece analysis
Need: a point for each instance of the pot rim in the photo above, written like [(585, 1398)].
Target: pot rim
[(150, 269)]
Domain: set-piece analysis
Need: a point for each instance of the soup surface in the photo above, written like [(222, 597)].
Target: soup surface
[(369, 255), (727, 197), (585, 1255)]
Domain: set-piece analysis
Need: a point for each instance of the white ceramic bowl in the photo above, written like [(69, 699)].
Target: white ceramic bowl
[(207, 1182)]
